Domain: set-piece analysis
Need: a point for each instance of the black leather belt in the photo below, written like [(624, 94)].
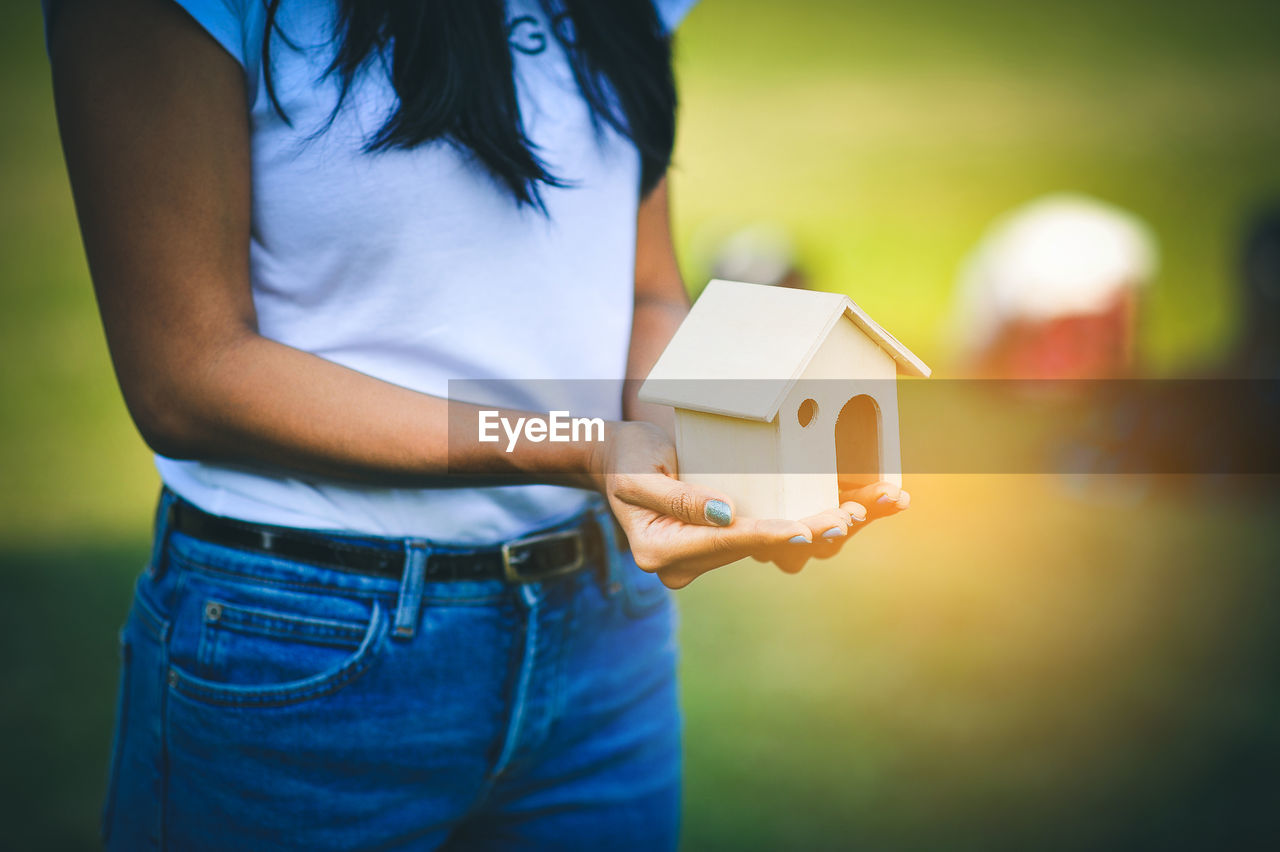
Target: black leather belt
[(523, 560)]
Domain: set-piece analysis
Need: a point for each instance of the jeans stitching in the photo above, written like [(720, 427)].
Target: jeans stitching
[(283, 699), (206, 651), (162, 806), (528, 659), (118, 747), (156, 626), (284, 694), (285, 626)]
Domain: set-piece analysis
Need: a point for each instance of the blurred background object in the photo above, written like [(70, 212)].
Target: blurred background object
[(1225, 418), (1053, 292), (999, 668), (758, 253)]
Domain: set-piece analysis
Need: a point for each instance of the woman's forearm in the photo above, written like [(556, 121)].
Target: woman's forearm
[(160, 167), (660, 304), (257, 402), (652, 327)]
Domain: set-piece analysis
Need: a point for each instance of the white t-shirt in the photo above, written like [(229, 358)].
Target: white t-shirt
[(418, 267)]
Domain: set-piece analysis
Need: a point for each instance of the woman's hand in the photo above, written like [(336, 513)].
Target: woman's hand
[(681, 531), (861, 506)]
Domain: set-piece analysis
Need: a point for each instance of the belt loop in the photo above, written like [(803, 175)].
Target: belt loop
[(410, 601), (609, 533), (160, 539)]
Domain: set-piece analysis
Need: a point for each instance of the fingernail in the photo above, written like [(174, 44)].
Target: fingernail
[(885, 498), (834, 532), (858, 514), (718, 513), (798, 539)]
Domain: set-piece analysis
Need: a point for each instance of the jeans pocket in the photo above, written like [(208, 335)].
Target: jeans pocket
[(260, 655)]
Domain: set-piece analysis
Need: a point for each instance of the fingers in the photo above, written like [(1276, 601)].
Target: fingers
[(827, 532), (681, 555), (856, 511), (881, 499), (831, 525), (668, 496), (858, 516), (688, 530)]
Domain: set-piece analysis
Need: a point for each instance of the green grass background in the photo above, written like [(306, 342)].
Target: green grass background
[(1010, 664)]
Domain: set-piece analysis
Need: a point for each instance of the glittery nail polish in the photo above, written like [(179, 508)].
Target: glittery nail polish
[(718, 513)]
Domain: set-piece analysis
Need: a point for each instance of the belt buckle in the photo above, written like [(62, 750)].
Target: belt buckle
[(514, 553)]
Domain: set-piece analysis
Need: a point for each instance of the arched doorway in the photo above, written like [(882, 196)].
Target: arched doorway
[(858, 443)]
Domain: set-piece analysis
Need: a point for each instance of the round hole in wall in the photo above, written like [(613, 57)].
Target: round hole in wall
[(807, 412)]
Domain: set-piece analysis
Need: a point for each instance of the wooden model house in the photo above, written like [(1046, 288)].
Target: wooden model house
[(782, 396)]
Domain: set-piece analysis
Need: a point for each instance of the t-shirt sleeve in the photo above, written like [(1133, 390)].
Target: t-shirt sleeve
[(224, 20), (672, 12)]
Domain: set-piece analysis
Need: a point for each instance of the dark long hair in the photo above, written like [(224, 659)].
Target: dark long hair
[(450, 65)]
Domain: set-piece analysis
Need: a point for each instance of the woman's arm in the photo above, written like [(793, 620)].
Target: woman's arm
[(661, 304), (155, 129)]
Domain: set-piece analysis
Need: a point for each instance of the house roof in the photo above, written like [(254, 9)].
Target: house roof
[(754, 342)]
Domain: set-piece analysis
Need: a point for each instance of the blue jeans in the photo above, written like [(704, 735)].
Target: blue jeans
[(265, 704)]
